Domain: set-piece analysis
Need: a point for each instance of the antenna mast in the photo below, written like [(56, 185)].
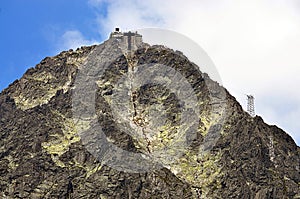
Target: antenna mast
[(250, 105)]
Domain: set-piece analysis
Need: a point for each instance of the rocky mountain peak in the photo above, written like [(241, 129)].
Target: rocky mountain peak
[(125, 119)]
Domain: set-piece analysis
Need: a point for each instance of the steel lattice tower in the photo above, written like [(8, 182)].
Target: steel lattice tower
[(250, 105)]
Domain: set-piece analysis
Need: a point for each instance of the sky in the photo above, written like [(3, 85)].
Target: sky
[(255, 45)]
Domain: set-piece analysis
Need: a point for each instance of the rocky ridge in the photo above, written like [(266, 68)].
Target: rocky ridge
[(230, 155)]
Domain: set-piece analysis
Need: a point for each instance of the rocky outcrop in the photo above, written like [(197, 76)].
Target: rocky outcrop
[(176, 133)]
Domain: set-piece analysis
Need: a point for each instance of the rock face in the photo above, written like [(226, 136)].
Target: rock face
[(166, 131)]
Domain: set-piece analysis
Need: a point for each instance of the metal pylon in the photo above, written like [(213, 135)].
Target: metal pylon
[(250, 105)]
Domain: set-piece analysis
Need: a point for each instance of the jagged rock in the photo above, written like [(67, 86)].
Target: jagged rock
[(222, 153)]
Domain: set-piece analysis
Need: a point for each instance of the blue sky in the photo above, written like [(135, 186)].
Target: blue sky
[(254, 44), (32, 30)]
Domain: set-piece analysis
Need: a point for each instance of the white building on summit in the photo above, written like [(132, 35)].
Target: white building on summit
[(131, 40)]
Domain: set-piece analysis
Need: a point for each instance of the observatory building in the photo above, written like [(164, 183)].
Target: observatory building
[(130, 40)]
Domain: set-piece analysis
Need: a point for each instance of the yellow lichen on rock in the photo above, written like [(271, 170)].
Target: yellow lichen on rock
[(46, 91), (23, 102), (61, 143), (76, 61), (12, 164), (199, 169)]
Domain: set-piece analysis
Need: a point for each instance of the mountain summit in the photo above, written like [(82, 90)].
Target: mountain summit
[(125, 119)]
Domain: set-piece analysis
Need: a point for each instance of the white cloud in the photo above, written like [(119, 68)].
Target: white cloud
[(254, 44), (73, 39)]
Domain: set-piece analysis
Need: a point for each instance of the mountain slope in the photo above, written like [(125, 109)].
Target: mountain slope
[(178, 145)]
